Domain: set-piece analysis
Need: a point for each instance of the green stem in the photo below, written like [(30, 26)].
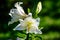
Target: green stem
[(27, 38)]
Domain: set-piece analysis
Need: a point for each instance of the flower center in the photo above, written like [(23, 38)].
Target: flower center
[(29, 25)]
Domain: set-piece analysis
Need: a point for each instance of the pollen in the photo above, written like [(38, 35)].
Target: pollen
[(29, 25)]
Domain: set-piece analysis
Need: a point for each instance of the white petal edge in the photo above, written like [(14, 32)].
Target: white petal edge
[(38, 32), (21, 20), (30, 15), (38, 19), (18, 27), (19, 8)]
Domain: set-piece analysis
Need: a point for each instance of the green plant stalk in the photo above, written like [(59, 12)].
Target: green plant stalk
[(27, 38)]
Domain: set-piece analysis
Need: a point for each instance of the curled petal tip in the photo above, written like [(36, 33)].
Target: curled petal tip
[(30, 15), (18, 4), (38, 19)]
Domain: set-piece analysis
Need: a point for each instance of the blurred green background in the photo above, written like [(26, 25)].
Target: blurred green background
[(50, 19)]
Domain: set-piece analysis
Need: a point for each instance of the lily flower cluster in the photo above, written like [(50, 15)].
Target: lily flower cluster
[(27, 22)]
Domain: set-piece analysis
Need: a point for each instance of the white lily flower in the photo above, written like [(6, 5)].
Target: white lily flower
[(29, 24), (17, 13)]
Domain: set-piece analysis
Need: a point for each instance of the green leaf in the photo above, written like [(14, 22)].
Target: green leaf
[(28, 10)]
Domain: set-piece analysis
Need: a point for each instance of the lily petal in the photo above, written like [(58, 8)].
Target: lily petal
[(19, 8), (30, 15), (38, 31), (20, 20), (19, 27), (37, 21), (35, 30)]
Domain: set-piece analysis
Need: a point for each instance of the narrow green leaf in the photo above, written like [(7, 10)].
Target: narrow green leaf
[(28, 10)]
